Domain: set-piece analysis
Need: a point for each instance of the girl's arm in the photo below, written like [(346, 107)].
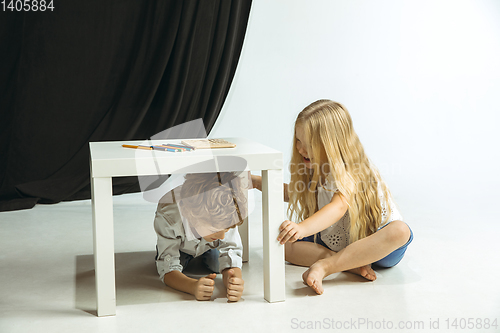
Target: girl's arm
[(322, 219), (257, 183), (202, 288)]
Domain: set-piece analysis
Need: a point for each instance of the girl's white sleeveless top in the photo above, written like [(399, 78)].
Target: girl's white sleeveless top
[(337, 235)]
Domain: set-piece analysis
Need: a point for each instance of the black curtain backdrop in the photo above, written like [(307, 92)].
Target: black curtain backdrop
[(99, 70)]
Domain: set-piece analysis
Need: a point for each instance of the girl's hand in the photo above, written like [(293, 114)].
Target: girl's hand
[(256, 182), (290, 232), (205, 288), (235, 287)]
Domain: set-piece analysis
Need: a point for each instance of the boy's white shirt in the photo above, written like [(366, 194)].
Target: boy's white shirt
[(172, 238), (174, 234)]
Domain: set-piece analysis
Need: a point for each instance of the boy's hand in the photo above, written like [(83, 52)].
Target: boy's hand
[(290, 232), (234, 286), (205, 288)]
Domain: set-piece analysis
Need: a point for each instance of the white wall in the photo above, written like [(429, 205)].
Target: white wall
[(421, 80)]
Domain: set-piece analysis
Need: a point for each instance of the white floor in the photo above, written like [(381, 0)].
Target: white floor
[(47, 281)]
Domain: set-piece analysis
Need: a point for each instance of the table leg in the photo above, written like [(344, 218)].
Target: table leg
[(274, 253), (104, 248), (245, 239)]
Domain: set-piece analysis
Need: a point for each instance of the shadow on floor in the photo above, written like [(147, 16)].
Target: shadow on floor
[(137, 281)]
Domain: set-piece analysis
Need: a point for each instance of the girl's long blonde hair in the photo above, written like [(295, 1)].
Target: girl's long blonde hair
[(334, 148)]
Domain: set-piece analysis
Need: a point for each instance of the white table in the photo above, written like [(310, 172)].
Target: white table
[(110, 159)]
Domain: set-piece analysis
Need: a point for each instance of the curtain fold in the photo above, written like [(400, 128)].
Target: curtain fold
[(105, 70)]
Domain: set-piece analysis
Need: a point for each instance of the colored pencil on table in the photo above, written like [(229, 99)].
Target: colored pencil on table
[(152, 148), (137, 147), (164, 149), (182, 147), (172, 147)]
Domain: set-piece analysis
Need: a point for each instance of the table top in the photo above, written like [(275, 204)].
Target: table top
[(110, 159)]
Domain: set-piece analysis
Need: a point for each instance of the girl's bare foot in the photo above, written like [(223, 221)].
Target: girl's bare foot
[(365, 271), (314, 276)]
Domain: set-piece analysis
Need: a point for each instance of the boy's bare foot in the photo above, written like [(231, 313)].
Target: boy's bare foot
[(314, 276), (365, 271)]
